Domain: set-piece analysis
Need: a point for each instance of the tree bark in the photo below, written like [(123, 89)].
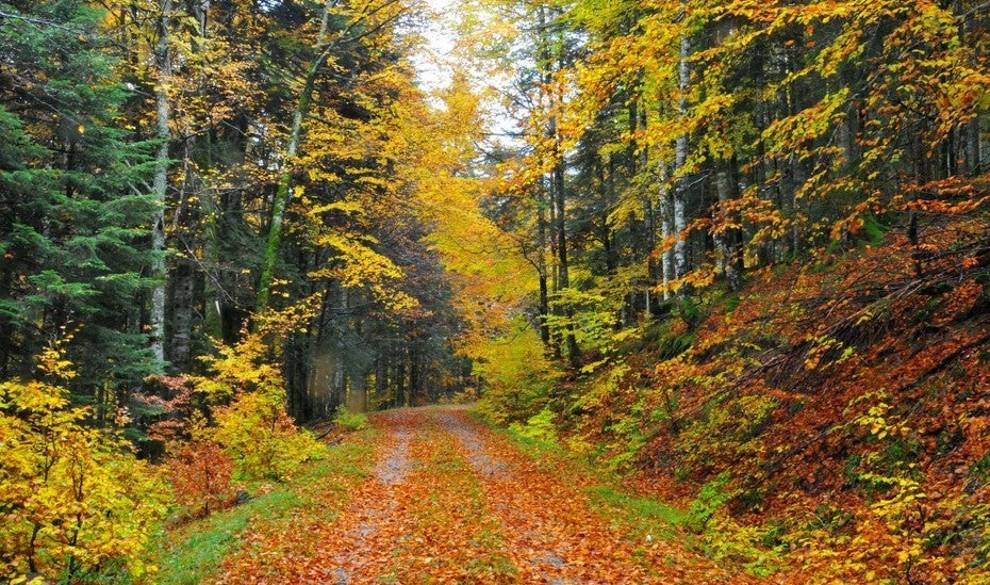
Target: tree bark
[(163, 64), (180, 340), (680, 161), (541, 262), (666, 230), (728, 240)]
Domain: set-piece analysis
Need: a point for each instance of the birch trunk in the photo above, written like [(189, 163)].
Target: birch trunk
[(163, 63), (680, 160), (666, 230)]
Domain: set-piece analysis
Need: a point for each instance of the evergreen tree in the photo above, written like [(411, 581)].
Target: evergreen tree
[(74, 209)]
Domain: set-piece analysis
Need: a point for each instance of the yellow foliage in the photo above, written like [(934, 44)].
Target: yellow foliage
[(261, 437), (72, 497), (254, 429), (516, 372)]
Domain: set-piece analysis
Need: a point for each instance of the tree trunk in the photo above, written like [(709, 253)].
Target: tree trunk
[(572, 348), (666, 231), (728, 240), (680, 160), (210, 209), (163, 64), (541, 261), (180, 341), (414, 376), (284, 191)]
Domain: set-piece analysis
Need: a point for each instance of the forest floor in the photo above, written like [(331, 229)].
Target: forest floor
[(444, 499)]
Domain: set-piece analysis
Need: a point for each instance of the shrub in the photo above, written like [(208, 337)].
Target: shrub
[(352, 421), (712, 496), (200, 473), (539, 427), (73, 498), (262, 439), (254, 429)]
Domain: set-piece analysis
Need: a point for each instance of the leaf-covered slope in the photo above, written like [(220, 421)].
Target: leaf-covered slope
[(847, 401)]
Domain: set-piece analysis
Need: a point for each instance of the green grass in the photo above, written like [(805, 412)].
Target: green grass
[(204, 544), (644, 515), (192, 552)]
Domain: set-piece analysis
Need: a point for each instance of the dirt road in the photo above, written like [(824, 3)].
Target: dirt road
[(449, 501)]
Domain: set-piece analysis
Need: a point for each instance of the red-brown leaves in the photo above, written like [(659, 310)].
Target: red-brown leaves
[(450, 502), (200, 474)]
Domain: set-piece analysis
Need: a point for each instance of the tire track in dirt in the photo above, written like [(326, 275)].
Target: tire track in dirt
[(453, 536), (554, 535), (349, 551), (391, 470)]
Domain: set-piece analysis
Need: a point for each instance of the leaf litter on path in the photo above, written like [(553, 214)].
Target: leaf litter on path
[(449, 501), (555, 535)]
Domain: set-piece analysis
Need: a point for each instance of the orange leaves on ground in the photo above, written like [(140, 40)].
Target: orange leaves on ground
[(450, 502)]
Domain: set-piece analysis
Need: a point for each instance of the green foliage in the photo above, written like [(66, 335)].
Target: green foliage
[(629, 434), (539, 428), (74, 226), (723, 539), (352, 421), (710, 499), (727, 541), (590, 316)]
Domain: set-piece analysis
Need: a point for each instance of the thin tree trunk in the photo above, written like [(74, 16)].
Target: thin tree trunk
[(413, 375), (572, 348), (560, 196), (284, 192), (606, 232), (666, 230), (210, 209), (357, 397), (163, 63), (680, 160), (541, 262), (728, 240)]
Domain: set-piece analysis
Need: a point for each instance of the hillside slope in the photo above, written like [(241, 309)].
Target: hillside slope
[(840, 410)]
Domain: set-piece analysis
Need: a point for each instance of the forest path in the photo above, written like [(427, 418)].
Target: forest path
[(450, 501)]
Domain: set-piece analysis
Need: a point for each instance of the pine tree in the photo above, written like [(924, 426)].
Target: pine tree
[(74, 208)]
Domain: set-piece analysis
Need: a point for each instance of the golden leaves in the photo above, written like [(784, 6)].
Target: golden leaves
[(75, 496)]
